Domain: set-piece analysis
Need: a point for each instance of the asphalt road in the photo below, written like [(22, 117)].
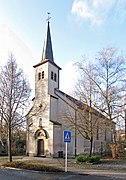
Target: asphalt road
[(14, 174)]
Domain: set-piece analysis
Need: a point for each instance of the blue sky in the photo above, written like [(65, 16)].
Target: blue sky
[(78, 28)]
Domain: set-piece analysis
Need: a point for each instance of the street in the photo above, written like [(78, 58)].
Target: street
[(14, 174)]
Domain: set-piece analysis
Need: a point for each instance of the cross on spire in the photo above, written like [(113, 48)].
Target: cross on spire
[(49, 17), (47, 53)]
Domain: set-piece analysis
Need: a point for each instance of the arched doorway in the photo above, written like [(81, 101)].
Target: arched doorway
[(40, 136), (40, 147)]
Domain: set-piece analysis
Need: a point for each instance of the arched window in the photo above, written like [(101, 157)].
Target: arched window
[(97, 132), (40, 134), (42, 74), (52, 75), (40, 122), (55, 77), (39, 76)]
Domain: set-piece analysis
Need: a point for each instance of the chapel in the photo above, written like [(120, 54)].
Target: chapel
[(53, 112)]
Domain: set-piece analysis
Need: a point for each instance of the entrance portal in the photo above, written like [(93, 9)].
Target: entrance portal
[(40, 147)]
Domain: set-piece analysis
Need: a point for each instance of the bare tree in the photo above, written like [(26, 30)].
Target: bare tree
[(85, 90), (91, 120), (86, 121), (110, 81), (14, 96), (102, 85)]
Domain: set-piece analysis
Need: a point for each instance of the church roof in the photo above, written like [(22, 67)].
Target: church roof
[(45, 62), (55, 123), (79, 105), (47, 53)]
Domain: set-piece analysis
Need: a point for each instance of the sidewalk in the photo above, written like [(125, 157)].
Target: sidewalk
[(112, 174)]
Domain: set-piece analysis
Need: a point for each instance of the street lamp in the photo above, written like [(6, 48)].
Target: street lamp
[(75, 133), (125, 122), (78, 106)]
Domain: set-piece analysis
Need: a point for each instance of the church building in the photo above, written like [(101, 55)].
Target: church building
[(48, 118)]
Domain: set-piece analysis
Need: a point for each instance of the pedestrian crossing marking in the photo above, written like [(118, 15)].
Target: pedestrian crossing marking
[(67, 137)]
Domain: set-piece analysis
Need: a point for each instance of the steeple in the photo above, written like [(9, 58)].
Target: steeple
[(47, 53)]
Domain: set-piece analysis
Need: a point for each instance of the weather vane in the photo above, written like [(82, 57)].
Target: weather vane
[(48, 18)]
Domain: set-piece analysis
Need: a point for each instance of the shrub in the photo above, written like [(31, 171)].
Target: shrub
[(88, 159), (81, 158), (93, 159)]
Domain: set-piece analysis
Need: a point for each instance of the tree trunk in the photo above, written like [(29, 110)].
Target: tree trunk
[(91, 146), (9, 143)]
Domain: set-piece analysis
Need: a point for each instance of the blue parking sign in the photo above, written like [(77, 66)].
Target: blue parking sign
[(67, 136)]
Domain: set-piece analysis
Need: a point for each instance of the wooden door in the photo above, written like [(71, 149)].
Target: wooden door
[(40, 147)]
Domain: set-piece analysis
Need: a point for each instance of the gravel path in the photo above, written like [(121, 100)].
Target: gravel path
[(113, 165)]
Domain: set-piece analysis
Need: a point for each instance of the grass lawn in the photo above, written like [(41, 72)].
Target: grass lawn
[(33, 165), (49, 165), (36, 165)]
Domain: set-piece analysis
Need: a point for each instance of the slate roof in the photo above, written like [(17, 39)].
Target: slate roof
[(47, 53), (72, 99), (80, 105)]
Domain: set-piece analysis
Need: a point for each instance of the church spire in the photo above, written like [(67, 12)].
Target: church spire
[(47, 53)]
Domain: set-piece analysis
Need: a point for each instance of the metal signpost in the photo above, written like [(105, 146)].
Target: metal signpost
[(67, 138)]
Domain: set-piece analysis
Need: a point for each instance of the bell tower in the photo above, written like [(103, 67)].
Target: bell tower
[(46, 71), (44, 112)]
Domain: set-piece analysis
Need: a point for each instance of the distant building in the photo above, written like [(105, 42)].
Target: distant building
[(45, 120)]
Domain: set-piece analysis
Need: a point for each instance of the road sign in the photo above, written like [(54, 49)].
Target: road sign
[(67, 136)]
